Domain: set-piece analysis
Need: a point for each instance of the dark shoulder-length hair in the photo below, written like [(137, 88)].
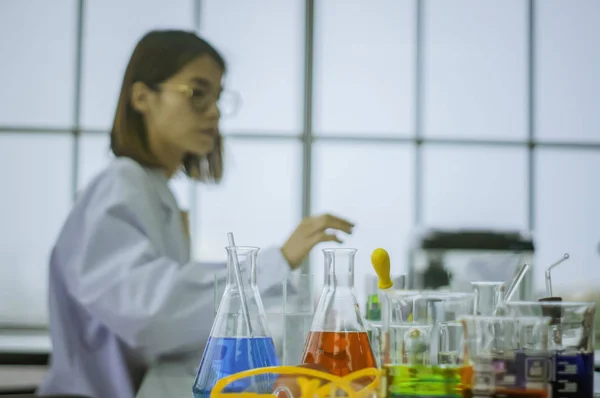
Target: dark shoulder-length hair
[(158, 56)]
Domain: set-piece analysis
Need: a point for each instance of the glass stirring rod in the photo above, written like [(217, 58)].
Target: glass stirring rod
[(240, 285), (516, 281), (549, 278)]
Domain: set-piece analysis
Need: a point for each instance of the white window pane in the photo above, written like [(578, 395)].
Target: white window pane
[(38, 62), (479, 187), (364, 75), (36, 173), (475, 69), (258, 200), (263, 45), (94, 156), (568, 219), (112, 29), (568, 61), (372, 186)]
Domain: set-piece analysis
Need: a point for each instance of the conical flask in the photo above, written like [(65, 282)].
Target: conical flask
[(338, 338), (240, 338)]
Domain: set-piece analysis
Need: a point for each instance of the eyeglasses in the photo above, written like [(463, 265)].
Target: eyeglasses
[(227, 101)]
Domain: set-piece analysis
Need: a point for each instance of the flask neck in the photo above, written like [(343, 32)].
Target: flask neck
[(339, 268), (246, 259)]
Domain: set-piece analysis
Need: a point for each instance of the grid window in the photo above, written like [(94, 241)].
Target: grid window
[(263, 43), (364, 68), (112, 29), (568, 61), (567, 215), (38, 198), (475, 69), (398, 91), (94, 155), (481, 187), (258, 200), (374, 190), (38, 63)]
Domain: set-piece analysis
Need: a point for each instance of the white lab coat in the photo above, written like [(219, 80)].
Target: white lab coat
[(123, 291)]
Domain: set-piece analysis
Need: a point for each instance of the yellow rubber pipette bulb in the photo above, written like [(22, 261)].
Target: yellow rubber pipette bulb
[(380, 259)]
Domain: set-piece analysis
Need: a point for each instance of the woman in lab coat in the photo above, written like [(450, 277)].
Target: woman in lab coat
[(123, 291)]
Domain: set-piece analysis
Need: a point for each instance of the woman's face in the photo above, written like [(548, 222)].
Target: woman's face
[(182, 116)]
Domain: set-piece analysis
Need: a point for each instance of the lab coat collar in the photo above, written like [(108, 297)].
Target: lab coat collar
[(164, 192)]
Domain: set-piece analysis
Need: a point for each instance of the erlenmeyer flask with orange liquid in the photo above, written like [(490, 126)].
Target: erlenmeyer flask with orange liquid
[(338, 339)]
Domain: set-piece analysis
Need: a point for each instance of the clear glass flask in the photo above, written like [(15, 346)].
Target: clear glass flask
[(240, 338), (441, 310), (421, 343), (570, 341), (508, 356), (338, 338), (290, 317)]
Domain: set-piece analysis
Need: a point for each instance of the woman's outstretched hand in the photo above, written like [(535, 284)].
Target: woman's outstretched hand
[(310, 232)]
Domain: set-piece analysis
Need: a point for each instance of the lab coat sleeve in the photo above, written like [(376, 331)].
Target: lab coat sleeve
[(272, 268), (151, 302)]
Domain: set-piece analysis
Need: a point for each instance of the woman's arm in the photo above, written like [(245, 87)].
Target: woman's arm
[(151, 302), (111, 266)]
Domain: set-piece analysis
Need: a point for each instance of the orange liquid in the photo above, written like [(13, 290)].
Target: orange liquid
[(339, 352)]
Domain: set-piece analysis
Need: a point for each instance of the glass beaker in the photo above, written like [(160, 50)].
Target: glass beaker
[(240, 338), (388, 335), (508, 356), (488, 296), (404, 345), (421, 323), (442, 310), (407, 343), (570, 340), (338, 338), (290, 315)]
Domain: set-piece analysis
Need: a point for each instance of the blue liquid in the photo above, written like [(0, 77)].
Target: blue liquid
[(569, 375), (225, 356), (574, 375)]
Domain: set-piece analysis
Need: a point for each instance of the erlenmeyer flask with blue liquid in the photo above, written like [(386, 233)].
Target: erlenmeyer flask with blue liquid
[(240, 338)]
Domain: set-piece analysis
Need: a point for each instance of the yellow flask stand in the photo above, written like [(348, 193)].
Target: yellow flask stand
[(309, 383)]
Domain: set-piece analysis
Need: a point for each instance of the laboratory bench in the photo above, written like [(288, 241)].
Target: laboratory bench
[(24, 346), (24, 357), (175, 379), (168, 379)]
